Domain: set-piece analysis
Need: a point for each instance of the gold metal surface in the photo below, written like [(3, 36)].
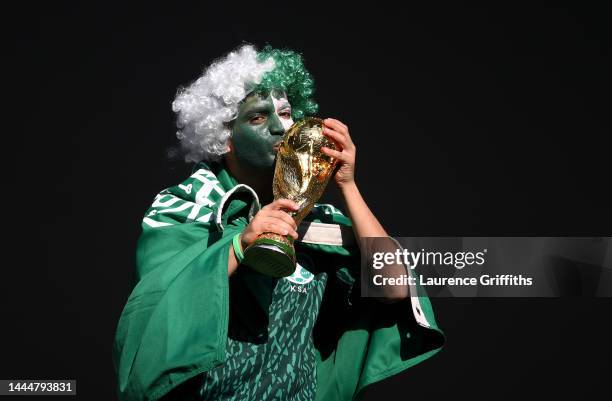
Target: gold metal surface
[(302, 169)]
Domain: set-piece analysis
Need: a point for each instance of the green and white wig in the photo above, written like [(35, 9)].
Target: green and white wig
[(205, 107)]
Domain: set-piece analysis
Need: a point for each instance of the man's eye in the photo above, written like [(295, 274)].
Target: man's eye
[(285, 114), (257, 119)]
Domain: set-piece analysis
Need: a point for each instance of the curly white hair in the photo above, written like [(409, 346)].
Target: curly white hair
[(204, 107)]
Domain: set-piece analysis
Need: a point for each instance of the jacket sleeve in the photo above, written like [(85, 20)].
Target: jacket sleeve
[(174, 324)]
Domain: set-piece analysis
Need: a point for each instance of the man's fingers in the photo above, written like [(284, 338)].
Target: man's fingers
[(282, 204), (336, 136), (279, 227), (336, 124), (284, 216), (333, 153), (339, 132)]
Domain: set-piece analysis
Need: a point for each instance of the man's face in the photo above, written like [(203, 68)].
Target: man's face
[(258, 128)]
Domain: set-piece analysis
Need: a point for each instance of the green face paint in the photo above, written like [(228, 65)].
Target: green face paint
[(261, 122)]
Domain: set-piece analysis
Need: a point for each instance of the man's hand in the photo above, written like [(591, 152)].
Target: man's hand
[(365, 224), (271, 218), (337, 131)]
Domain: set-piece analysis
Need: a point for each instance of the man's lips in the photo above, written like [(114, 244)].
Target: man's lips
[(277, 145)]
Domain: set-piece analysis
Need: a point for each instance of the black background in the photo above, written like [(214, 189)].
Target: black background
[(467, 121)]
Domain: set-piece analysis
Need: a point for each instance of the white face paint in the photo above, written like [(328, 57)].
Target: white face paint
[(282, 106)]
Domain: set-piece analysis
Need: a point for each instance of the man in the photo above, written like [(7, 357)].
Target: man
[(198, 325)]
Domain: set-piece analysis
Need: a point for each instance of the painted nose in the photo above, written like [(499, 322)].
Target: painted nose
[(276, 127)]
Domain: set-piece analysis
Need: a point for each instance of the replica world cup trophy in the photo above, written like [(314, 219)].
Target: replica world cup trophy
[(301, 174)]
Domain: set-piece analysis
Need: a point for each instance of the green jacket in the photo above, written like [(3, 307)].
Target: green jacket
[(174, 324)]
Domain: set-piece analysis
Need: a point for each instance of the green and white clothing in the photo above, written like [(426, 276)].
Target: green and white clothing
[(277, 363), (307, 337)]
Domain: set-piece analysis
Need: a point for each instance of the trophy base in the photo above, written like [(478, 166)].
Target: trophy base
[(270, 258)]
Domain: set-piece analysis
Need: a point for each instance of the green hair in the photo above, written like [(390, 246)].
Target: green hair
[(291, 76)]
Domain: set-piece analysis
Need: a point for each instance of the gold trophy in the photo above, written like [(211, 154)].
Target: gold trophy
[(301, 174)]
